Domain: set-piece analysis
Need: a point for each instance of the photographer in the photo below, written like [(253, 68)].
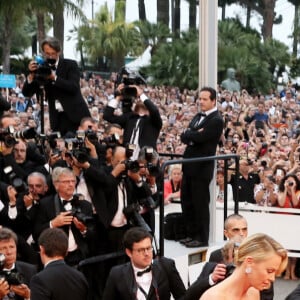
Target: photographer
[(62, 210), (60, 78), (141, 125), (125, 192), (15, 275)]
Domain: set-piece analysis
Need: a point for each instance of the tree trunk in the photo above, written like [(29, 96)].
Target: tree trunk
[(59, 27), (268, 18), (6, 47), (192, 14), (296, 30), (248, 17), (177, 18), (163, 12), (40, 28), (120, 10), (142, 10), (223, 11)]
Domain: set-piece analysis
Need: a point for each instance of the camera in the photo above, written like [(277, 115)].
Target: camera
[(6, 136), (129, 77), (12, 278), (132, 165), (111, 141), (290, 183), (17, 182), (90, 134), (229, 269), (76, 148), (152, 167), (77, 212), (133, 217), (44, 68)]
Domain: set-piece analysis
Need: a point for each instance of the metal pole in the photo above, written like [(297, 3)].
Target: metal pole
[(208, 43)]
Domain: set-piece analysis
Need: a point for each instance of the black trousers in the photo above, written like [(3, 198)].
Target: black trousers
[(195, 200)]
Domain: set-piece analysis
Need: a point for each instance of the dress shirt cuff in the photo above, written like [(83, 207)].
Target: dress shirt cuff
[(12, 212), (210, 281), (143, 97), (113, 103)]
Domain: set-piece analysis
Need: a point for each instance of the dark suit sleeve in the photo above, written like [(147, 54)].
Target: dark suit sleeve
[(295, 294), (177, 287), (108, 115), (154, 114), (212, 131), (110, 291), (195, 291), (216, 256), (39, 289)]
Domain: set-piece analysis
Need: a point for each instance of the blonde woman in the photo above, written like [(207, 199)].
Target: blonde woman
[(258, 260)]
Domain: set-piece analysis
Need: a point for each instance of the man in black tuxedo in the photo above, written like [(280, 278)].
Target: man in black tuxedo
[(214, 271), (58, 211), (141, 126), (143, 276), (201, 138), (57, 281), (8, 288), (66, 104)]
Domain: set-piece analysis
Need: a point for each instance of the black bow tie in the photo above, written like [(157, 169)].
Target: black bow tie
[(141, 273), (202, 114), (68, 201), (5, 271)]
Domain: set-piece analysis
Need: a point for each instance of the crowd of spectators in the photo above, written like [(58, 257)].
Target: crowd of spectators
[(264, 130)]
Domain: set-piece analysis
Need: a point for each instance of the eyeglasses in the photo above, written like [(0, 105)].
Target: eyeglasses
[(143, 250), (67, 181)]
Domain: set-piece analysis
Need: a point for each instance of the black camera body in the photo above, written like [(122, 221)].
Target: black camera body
[(44, 68), (229, 269), (132, 165), (290, 183), (76, 148), (9, 135), (133, 217), (12, 278), (77, 212), (17, 182), (111, 141), (129, 77)]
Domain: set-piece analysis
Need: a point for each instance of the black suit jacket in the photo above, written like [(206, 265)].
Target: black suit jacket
[(66, 89), (295, 294), (150, 126), (195, 291), (201, 141), (58, 281), (47, 212), (121, 283), (108, 208)]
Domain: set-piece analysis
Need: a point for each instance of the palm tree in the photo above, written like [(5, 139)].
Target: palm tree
[(120, 10), (142, 10), (163, 12), (296, 31), (12, 15), (192, 14)]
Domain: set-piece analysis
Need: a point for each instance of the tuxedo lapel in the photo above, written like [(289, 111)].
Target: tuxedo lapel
[(130, 282)]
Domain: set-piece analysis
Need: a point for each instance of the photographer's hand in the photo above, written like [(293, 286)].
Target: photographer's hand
[(79, 225), (21, 290), (4, 287), (218, 273), (28, 200), (118, 169), (64, 218), (135, 176), (12, 193), (32, 67)]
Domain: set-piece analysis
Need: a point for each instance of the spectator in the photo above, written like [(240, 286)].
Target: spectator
[(57, 281), (221, 187), (172, 187)]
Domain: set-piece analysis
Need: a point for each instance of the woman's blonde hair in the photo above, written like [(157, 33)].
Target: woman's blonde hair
[(260, 246), (173, 167)]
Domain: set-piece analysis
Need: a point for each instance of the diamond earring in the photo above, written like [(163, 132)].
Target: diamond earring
[(248, 270)]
